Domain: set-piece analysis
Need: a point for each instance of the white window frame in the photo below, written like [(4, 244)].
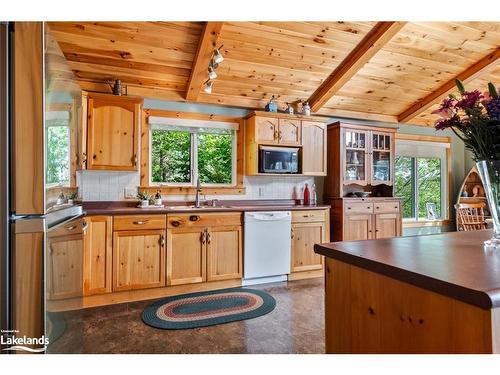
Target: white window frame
[(427, 149), (172, 124)]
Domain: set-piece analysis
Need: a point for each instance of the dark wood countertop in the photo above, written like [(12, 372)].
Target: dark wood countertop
[(453, 264), (130, 208)]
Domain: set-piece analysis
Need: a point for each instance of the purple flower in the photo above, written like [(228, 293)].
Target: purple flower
[(446, 123), (470, 99)]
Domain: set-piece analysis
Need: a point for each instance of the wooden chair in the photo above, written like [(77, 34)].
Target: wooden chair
[(470, 216)]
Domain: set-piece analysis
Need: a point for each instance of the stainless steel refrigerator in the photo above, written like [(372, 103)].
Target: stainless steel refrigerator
[(39, 231)]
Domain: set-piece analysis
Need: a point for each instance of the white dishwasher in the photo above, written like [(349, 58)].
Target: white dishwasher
[(267, 246)]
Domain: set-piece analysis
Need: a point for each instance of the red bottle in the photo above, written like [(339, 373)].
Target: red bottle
[(306, 196)]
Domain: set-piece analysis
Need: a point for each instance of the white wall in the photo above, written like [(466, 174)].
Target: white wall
[(110, 186)]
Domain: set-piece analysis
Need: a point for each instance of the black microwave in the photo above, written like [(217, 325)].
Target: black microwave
[(278, 159)]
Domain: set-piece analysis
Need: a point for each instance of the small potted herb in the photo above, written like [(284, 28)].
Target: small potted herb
[(144, 198), (71, 197)]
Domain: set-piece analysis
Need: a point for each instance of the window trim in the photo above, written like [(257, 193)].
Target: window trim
[(237, 187), (449, 178)]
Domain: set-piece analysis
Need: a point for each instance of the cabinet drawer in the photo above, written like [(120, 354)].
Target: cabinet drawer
[(132, 222), (386, 207), (358, 207), (308, 216), (197, 219)]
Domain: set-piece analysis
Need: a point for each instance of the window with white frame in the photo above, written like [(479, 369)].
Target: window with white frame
[(421, 179), (183, 150)]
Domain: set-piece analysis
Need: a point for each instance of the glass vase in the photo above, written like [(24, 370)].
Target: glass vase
[(490, 175)]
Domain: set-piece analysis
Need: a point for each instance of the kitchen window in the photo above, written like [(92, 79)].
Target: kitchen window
[(421, 179), (183, 150), (57, 135)]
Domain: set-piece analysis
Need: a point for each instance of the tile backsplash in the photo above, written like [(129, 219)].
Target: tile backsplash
[(111, 185)]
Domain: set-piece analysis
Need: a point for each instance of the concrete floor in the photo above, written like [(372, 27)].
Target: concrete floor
[(296, 325)]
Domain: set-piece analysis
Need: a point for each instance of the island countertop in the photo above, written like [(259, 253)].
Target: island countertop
[(453, 264)]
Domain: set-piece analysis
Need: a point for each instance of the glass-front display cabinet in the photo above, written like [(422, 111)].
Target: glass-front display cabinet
[(362, 161)]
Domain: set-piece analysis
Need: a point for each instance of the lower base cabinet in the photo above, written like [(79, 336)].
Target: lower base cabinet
[(387, 225), (98, 255), (308, 229), (224, 255), (65, 262), (186, 256), (139, 259), (358, 227), (304, 236)]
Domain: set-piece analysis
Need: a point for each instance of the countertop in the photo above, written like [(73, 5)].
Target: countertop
[(453, 264), (130, 208)]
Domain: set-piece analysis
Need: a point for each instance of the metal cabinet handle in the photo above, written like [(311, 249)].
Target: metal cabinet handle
[(275, 135), (209, 238), (85, 226), (134, 159), (291, 234), (141, 222), (71, 227), (348, 208), (162, 240), (175, 223), (194, 218), (203, 237), (305, 215), (378, 208), (279, 135)]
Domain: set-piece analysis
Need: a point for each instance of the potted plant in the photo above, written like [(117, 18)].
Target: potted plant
[(144, 198), (475, 118), (71, 197)]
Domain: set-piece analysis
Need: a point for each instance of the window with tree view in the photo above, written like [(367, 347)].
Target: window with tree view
[(419, 183), (58, 147), (180, 155)]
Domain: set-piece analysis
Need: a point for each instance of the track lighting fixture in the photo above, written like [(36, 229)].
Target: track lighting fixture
[(212, 74), (207, 86), (218, 58)]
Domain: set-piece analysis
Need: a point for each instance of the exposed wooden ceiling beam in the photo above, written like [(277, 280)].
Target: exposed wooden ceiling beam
[(376, 38), (472, 72), (206, 45)]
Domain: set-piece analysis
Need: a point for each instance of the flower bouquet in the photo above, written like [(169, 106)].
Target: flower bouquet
[(475, 118)]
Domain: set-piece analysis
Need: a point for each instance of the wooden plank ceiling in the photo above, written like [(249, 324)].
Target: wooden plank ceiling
[(379, 71)]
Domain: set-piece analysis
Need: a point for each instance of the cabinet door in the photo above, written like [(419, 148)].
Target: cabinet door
[(224, 253), (186, 255), (139, 258), (387, 225), (313, 148), (289, 132), (65, 267), (357, 227), (113, 132), (98, 252), (354, 156), (304, 236), (266, 130), (381, 158)]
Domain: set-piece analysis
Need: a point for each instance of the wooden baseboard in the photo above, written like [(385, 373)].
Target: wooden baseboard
[(305, 275), (137, 295)]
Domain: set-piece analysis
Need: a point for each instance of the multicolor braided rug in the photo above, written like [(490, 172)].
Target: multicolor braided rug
[(208, 308)]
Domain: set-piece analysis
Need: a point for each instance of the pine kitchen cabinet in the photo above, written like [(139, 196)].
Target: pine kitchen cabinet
[(65, 261), (138, 252), (308, 133), (308, 228), (98, 255), (203, 247), (112, 132)]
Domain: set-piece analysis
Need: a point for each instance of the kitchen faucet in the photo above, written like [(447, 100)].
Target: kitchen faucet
[(198, 191)]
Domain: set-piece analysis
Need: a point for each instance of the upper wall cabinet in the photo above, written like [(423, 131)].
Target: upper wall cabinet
[(306, 133), (112, 132)]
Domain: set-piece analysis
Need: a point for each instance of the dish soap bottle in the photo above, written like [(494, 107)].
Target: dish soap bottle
[(158, 198), (314, 196), (306, 195)]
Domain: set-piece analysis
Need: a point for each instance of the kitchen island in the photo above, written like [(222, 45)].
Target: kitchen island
[(421, 294)]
